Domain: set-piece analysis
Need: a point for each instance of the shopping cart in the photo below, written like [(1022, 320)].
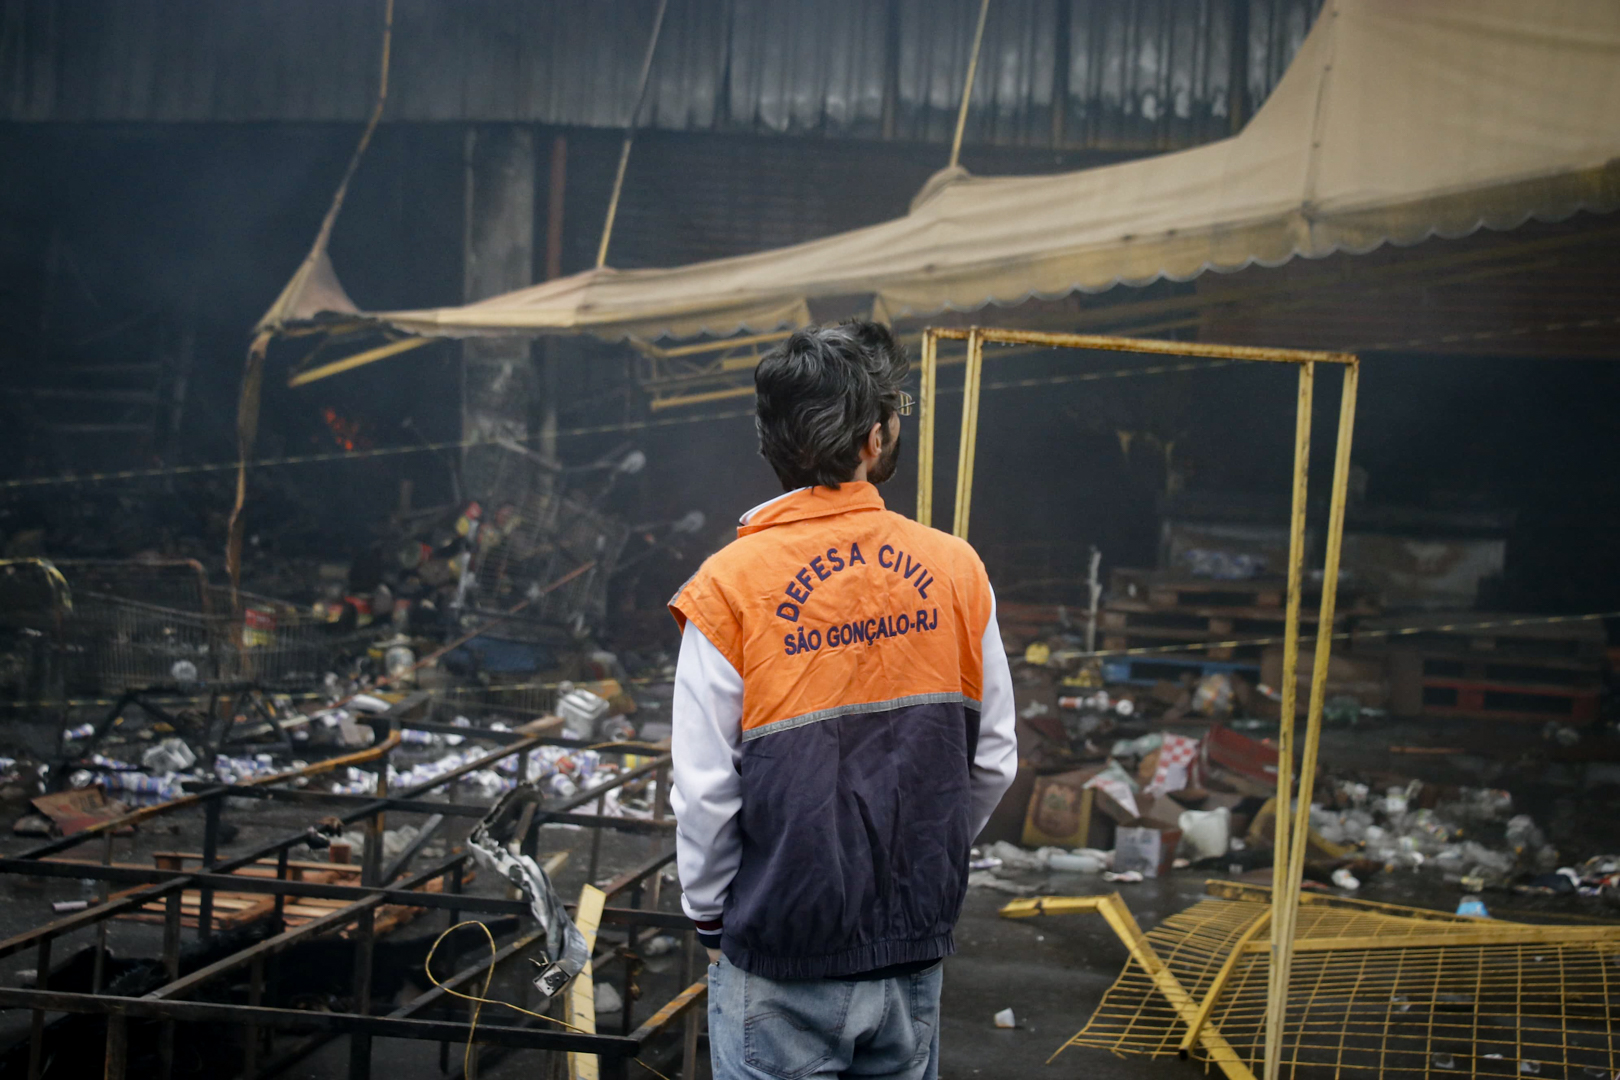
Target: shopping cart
[(35, 607), (535, 530), (139, 625)]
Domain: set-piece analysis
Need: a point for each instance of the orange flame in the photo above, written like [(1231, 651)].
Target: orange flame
[(346, 433)]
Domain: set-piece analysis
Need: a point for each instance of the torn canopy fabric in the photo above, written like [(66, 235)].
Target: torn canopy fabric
[(1397, 121)]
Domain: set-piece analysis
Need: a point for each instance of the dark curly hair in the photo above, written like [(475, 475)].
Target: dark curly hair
[(818, 394)]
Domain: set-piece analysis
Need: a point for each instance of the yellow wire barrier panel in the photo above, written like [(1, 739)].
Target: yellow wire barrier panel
[(1290, 835), (1373, 988)]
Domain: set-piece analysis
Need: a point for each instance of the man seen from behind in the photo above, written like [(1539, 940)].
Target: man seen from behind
[(843, 727)]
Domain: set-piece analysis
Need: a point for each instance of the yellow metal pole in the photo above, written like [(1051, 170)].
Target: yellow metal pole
[(970, 432), (1286, 896), (381, 352), (1110, 343), (1281, 924), (925, 428)]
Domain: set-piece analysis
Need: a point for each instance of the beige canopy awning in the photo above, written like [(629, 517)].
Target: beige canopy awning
[(1398, 120)]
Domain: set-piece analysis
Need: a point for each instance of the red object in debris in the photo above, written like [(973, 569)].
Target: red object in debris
[(258, 626), (1236, 752)]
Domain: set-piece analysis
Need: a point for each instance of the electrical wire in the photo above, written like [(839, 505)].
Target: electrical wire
[(481, 999), (348, 455), (594, 429), (1099, 654)]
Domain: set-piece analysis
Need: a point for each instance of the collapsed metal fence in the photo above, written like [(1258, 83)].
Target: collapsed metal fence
[(173, 1004), (1375, 989)]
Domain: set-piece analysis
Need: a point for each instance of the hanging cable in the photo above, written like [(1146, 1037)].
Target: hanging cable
[(481, 998)]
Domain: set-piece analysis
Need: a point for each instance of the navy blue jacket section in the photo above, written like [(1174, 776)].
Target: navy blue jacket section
[(855, 839)]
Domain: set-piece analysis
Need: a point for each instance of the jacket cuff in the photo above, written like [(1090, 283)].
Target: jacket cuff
[(708, 933)]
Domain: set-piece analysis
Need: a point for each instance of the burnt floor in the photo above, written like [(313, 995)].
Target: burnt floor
[(1050, 971)]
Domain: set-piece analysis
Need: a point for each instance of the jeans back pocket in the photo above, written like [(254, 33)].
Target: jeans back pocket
[(792, 1029)]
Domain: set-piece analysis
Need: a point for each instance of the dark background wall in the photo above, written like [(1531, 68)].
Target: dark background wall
[(166, 166), (1134, 73)]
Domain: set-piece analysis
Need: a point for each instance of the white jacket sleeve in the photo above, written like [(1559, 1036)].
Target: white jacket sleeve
[(996, 761), (706, 795)]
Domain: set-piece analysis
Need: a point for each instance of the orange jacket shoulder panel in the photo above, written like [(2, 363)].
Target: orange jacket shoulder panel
[(824, 610)]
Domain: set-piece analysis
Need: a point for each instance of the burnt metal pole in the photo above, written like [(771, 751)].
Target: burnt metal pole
[(210, 854), (36, 1035)]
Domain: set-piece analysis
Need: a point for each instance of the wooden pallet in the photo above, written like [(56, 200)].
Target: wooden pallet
[(1029, 621), (1169, 589), (1452, 669), (1131, 630), (1577, 644), (1525, 689), (1468, 700), (234, 909)]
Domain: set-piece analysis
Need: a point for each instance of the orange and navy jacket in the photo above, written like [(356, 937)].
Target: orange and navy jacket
[(843, 726)]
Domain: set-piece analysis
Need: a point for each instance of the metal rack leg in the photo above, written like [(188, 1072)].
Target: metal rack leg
[(171, 969), (117, 1047), (98, 970), (36, 1036), (210, 854), (250, 1051)]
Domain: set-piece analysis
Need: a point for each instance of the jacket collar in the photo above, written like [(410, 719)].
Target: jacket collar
[(811, 502)]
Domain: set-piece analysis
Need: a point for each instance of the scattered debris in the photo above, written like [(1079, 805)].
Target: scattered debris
[(1005, 1019), (607, 998), (75, 811), (986, 880), (660, 945)]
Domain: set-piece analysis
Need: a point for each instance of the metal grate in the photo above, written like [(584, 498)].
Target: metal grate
[(1373, 989)]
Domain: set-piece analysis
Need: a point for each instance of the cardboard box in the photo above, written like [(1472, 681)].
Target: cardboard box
[(1062, 812), (1149, 850), (1159, 816), (76, 811)]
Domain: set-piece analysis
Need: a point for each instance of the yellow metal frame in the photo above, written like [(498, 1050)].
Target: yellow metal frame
[(1291, 835), (1356, 961), (1192, 1012), (360, 359)]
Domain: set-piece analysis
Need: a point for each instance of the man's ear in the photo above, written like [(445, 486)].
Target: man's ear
[(874, 440)]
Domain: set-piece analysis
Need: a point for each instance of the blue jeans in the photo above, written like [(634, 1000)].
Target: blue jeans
[(760, 1029)]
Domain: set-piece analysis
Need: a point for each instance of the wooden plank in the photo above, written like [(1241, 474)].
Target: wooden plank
[(581, 1001)]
